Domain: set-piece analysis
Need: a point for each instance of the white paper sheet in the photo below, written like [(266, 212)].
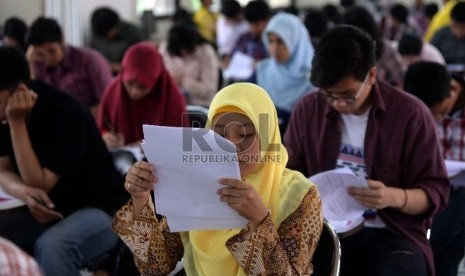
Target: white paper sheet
[(9, 202), (188, 176), (240, 67), (454, 167), (341, 209)]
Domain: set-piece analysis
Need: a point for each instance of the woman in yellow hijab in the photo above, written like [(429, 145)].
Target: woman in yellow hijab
[(283, 208)]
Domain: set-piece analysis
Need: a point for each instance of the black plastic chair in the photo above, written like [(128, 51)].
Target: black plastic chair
[(198, 115), (327, 257)]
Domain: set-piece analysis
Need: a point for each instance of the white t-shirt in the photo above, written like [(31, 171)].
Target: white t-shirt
[(227, 34), (351, 155)]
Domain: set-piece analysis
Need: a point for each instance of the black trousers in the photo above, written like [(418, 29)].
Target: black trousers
[(379, 252), (448, 235)]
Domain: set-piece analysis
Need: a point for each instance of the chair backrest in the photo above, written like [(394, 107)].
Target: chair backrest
[(198, 115), (327, 257)]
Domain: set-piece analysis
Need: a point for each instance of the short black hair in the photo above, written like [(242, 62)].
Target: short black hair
[(257, 10), (14, 68), (315, 23), (331, 13), (399, 12), (183, 37), (292, 9), (342, 52), (45, 30), (231, 9), (182, 16), (103, 20), (363, 19), (430, 10), (347, 3), (428, 81), (410, 45), (16, 29), (457, 13)]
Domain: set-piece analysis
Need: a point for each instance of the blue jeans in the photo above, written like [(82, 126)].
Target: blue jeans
[(65, 247)]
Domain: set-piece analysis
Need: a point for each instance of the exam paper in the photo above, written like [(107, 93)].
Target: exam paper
[(240, 67), (341, 209), (454, 167), (188, 164), (456, 172), (9, 202)]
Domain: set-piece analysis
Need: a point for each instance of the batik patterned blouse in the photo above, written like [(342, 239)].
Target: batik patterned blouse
[(267, 251)]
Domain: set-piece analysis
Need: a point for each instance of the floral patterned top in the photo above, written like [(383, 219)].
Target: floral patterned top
[(287, 251)]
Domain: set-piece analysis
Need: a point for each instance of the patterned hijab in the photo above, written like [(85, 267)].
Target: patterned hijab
[(281, 190), (287, 82), (164, 105)]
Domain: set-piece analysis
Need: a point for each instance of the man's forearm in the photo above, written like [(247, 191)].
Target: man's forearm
[(11, 184), (30, 170)]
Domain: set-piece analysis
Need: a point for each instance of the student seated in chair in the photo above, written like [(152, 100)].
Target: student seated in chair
[(432, 83), (381, 134), (283, 207), (53, 158)]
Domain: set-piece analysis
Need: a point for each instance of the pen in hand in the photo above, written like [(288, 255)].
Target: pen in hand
[(45, 205), (108, 125)]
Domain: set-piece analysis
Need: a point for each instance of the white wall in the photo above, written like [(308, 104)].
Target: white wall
[(28, 10)]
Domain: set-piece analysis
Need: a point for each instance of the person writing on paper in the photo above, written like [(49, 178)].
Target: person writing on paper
[(432, 83), (382, 134), (283, 207), (143, 93), (285, 74), (192, 63), (53, 158)]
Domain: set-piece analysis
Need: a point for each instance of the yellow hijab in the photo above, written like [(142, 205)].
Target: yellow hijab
[(281, 190)]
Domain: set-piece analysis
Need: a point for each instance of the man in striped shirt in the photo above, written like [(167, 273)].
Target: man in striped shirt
[(431, 83), (15, 262)]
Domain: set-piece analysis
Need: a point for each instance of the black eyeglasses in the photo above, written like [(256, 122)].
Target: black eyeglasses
[(346, 99)]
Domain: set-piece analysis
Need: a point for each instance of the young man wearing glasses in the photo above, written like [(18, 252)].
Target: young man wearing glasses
[(382, 134)]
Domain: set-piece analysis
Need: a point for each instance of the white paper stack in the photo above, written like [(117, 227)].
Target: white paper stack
[(342, 210), (240, 67), (456, 172), (188, 164)]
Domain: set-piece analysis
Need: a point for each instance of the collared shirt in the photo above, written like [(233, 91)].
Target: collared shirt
[(251, 46), (227, 34), (15, 262), (390, 65), (451, 48), (113, 49), (401, 150), (84, 74), (451, 133)]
